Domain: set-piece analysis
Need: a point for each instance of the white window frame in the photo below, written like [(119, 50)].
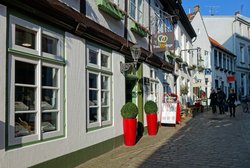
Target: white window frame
[(39, 62), (138, 12), (154, 85), (99, 71), (39, 31)]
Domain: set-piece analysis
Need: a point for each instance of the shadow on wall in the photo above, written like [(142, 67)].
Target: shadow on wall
[(2, 135)]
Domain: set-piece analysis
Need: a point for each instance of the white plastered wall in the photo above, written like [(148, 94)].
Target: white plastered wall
[(3, 13), (76, 137)]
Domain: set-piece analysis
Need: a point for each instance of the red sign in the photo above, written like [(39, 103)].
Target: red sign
[(230, 78)]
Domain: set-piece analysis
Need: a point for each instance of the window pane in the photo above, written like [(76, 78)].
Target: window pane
[(92, 80), (24, 73), (105, 113), (49, 122), (49, 99), (93, 100), (25, 37), (93, 57), (49, 44), (49, 76), (93, 115), (24, 98), (105, 61), (132, 9), (24, 124), (105, 82), (105, 98)]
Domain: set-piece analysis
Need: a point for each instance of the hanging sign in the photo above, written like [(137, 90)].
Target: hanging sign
[(162, 42), (230, 78)]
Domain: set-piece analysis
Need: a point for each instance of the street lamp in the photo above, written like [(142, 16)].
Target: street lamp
[(136, 53)]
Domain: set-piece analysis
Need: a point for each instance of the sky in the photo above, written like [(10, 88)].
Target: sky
[(218, 7)]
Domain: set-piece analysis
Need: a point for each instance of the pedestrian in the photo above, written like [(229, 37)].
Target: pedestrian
[(213, 100), (221, 97), (244, 100), (232, 98)]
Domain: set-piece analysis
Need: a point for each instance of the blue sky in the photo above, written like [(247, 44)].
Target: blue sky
[(218, 7)]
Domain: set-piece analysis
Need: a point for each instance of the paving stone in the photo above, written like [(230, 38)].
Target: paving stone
[(206, 141)]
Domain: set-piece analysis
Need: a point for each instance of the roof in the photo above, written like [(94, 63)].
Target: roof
[(191, 16), (218, 45)]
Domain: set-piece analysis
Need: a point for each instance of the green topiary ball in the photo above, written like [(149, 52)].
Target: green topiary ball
[(129, 110), (150, 107)]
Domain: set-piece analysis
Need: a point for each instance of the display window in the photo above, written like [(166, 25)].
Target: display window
[(98, 89), (35, 83)]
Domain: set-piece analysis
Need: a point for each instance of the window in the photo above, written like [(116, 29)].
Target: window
[(228, 67), (248, 32), (154, 85), (99, 95), (215, 58), (220, 59), (242, 54), (224, 61), (159, 19), (136, 10), (241, 29), (36, 84), (231, 65), (249, 55), (243, 83)]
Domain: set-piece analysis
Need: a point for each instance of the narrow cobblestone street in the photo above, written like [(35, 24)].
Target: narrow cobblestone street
[(207, 140)]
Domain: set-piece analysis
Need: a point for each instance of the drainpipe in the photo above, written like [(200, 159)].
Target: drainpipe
[(149, 27), (234, 51)]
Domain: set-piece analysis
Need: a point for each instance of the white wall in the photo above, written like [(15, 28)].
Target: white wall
[(3, 13), (221, 28), (203, 42), (92, 12), (76, 136)]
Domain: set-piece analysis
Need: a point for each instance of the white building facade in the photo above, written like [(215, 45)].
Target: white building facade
[(233, 32), (62, 79)]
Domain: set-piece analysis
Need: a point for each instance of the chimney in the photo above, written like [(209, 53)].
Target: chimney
[(196, 8), (237, 13)]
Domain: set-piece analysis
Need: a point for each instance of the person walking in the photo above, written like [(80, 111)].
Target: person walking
[(213, 102), (221, 97), (232, 97)]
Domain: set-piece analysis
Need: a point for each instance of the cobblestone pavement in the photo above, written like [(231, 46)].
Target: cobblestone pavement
[(205, 141)]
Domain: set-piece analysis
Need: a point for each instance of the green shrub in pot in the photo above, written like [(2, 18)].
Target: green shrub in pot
[(129, 110), (150, 107)]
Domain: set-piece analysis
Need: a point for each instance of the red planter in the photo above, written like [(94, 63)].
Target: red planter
[(152, 124), (129, 129)]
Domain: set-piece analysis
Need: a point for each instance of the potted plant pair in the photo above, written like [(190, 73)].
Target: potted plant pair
[(129, 112), (151, 109)]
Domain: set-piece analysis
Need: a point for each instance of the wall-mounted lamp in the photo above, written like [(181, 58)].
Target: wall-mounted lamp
[(136, 53)]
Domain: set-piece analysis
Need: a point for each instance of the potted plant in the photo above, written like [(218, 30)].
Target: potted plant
[(129, 112), (151, 109)]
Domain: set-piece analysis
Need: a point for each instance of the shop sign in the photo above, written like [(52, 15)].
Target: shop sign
[(230, 78), (162, 42)]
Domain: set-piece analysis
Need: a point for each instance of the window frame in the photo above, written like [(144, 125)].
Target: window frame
[(99, 71), (242, 53), (137, 11), (39, 59)]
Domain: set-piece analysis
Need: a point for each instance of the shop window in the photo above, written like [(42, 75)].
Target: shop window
[(99, 96), (35, 83)]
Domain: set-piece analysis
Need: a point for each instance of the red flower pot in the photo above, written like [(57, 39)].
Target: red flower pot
[(152, 124), (129, 129)]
